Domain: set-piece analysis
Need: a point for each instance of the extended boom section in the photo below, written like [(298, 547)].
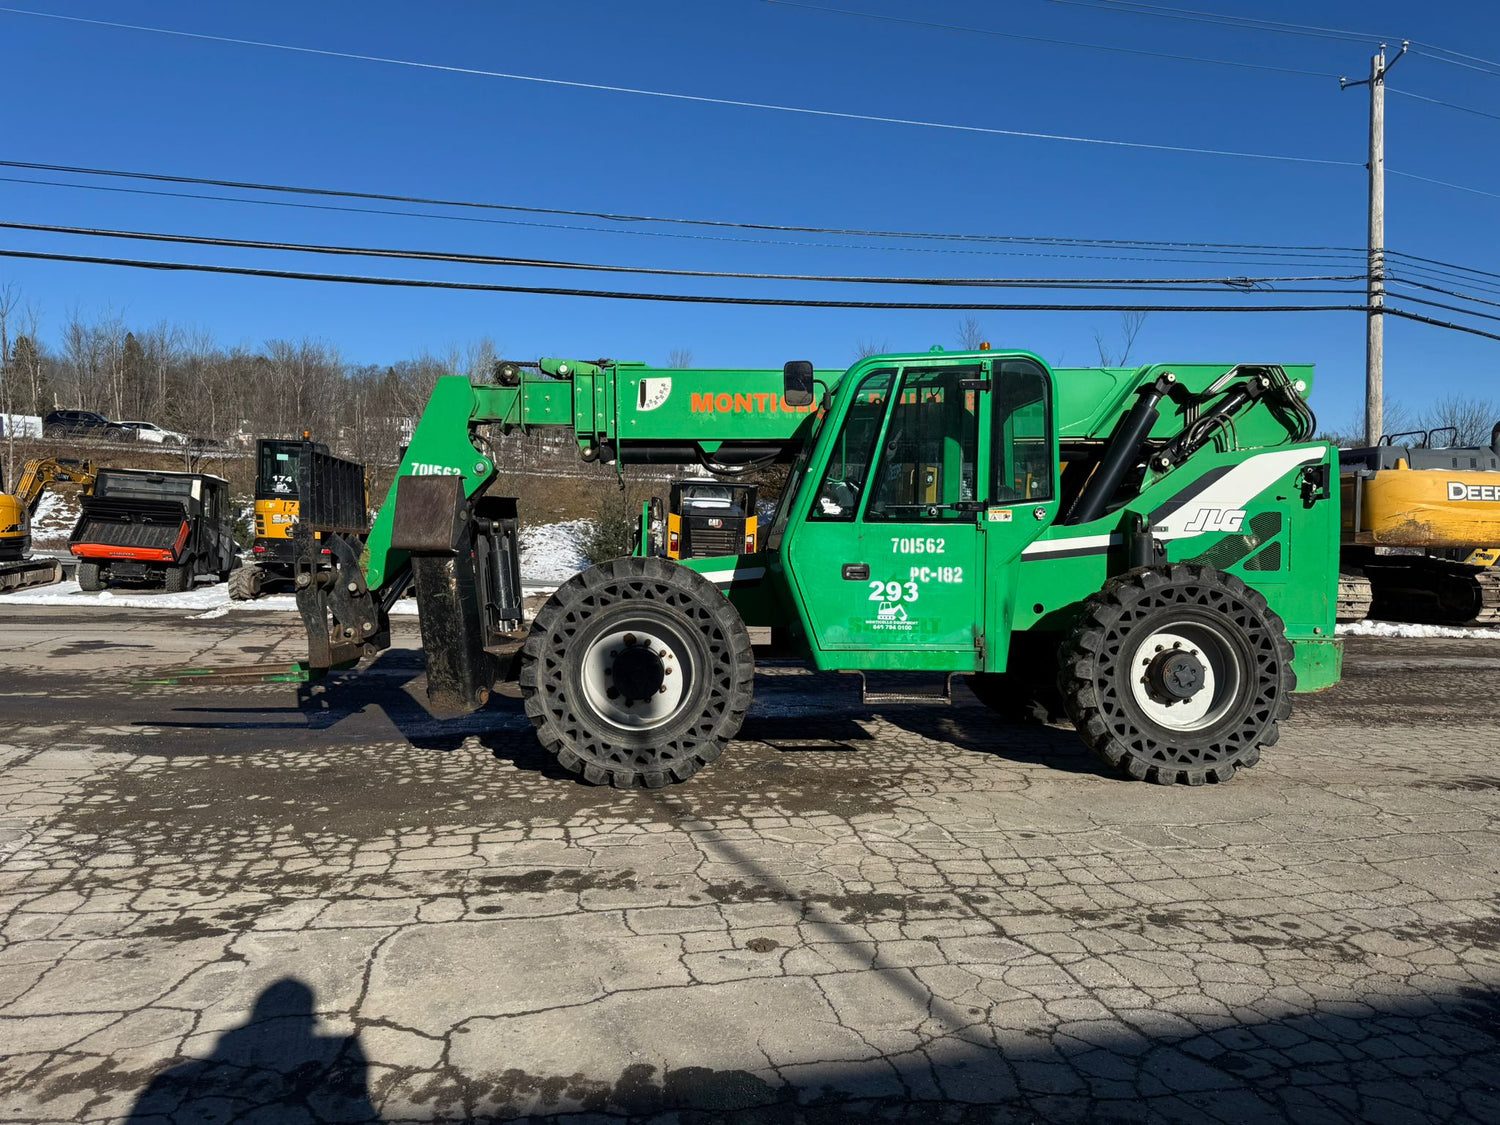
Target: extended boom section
[(1152, 552)]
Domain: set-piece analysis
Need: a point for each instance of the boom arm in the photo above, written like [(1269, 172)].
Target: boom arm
[(38, 474), (726, 420)]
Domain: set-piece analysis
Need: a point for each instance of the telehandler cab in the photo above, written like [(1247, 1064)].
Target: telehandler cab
[(1156, 549)]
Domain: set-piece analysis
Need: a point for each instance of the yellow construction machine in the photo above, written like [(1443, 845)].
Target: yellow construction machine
[(1421, 530), (17, 566)]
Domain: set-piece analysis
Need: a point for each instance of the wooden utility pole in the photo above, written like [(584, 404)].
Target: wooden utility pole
[(1375, 275)]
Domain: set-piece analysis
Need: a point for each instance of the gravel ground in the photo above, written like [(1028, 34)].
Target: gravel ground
[(278, 904)]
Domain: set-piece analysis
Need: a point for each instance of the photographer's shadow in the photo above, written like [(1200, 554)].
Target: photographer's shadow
[(273, 1068)]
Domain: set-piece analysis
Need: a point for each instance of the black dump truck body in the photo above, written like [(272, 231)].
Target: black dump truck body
[(292, 479), (149, 528)]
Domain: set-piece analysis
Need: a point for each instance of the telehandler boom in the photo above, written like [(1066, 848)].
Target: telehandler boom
[(1163, 541)]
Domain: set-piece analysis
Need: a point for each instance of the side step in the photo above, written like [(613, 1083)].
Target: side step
[(905, 689)]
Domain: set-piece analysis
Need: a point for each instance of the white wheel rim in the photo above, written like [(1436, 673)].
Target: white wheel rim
[(596, 676), (1223, 677)]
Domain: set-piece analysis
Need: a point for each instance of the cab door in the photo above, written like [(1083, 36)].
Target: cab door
[(888, 557), (905, 554)]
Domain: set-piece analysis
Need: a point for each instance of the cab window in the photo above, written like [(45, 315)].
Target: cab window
[(1022, 434), (849, 460), (930, 452)]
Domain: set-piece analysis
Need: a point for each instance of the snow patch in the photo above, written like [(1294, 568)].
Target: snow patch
[(553, 552), (550, 555), (1409, 629), (56, 513)]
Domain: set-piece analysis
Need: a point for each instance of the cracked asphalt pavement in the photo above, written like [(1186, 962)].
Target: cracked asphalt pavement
[(262, 903)]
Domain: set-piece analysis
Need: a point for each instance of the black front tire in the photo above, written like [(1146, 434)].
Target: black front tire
[(177, 579), (1119, 703), (89, 577), (672, 619)]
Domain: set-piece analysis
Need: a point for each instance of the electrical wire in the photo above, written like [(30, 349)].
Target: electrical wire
[(1438, 262), (1391, 280), (1047, 39), (1439, 101), (420, 283), (1332, 259), (675, 298), (702, 99), (613, 216), (1442, 183), (1421, 319), (1244, 23), (1243, 283)]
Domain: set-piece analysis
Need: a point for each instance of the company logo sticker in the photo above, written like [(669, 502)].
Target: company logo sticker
[(1216, 519)]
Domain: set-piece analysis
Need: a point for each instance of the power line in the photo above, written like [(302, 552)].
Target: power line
[(1492, 69), (675, 298), (1420, 319), (1450, 308), (1245, 23), (1448, 105), (1438, 262), (1248, 284), (702, 99), (1443, 183), (1256, 23), (1047, 39), (1447, 292), (1268, 257), (344, 193)]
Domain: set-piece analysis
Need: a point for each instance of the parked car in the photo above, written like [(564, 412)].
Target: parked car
[(81, 423), (150, 431)]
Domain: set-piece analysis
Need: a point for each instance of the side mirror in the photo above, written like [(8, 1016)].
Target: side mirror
[(797, 383)]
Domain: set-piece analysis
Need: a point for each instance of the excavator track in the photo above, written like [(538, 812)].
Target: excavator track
[(29, 572), (1434, 591), (1355, 596)]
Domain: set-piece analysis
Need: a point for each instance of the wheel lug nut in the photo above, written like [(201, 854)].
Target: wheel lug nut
[(630, 638), (1158, 648), (662, 690)]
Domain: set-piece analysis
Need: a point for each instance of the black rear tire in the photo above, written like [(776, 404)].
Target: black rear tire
[(89, 577), (177, 579), (244, 584), (637, 672), (1116, 664)]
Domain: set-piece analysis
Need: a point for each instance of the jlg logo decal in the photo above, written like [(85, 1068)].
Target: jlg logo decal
[(1216, 519)]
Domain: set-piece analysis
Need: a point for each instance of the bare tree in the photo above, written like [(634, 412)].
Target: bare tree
[(1350, 434), (1130, 328), (680, 357), (970, 335), (10, 380), (1473, 418), (864, 347)]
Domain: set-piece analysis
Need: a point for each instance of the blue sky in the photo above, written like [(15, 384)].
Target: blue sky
[(107, 97)]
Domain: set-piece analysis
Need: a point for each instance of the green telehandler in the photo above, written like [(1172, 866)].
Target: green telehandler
[(1152, 551)]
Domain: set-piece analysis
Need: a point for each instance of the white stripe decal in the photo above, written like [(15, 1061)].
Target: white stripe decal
[(738, 574), (1235, 489)]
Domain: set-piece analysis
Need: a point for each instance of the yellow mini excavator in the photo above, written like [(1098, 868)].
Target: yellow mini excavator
[(18, 568), (1421, 531)]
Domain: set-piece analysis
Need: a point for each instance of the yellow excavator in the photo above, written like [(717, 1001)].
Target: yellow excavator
[(18, 568), (1421, 530)]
